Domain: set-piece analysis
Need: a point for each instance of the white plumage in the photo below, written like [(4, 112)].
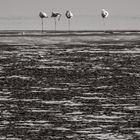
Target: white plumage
[(69, 14), (104, 13), (43, 15)]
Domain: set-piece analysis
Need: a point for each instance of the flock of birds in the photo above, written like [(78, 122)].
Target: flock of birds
[(68, 14)]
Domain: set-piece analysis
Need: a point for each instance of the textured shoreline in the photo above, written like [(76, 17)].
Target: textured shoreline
[(32, 33)]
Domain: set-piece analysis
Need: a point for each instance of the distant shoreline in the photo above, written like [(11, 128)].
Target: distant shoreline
[(12, 33)]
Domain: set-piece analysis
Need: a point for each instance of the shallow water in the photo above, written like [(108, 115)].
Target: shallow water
[(73, 88), (78, 22)]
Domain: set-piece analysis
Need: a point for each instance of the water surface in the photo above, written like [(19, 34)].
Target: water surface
[(70, 87)]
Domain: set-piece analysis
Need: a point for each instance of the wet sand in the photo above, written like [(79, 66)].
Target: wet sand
[(70, 86)]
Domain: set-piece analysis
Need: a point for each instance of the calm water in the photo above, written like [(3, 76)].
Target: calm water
[(70, 88), (78, 23)]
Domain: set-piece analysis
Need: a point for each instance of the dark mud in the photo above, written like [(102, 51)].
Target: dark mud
[(71, 88)]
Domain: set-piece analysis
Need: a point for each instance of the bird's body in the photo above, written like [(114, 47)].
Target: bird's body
[(43, 15), (104, 13), (69, 14), (55, 15)]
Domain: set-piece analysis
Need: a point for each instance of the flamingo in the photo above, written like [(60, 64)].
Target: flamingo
[(55, 15), (104, 15), (69, 15), (42, 16)]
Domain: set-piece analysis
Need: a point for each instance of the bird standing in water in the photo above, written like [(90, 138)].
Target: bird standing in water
[(69, 15), (56, 15), (104, 15), (43, 15)]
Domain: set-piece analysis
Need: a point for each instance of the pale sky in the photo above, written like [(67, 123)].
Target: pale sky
[(78, 7)]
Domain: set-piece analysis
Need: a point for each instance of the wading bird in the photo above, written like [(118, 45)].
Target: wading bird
[(69, 15), (42, 16), (104, 15), (56, 15)]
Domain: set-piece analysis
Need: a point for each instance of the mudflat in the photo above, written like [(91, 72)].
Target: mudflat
[(70, 85)]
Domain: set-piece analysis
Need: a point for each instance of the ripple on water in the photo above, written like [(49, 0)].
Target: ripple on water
[(53, 88)]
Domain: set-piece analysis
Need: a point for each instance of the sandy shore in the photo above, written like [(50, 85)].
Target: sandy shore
[(71, 86)]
